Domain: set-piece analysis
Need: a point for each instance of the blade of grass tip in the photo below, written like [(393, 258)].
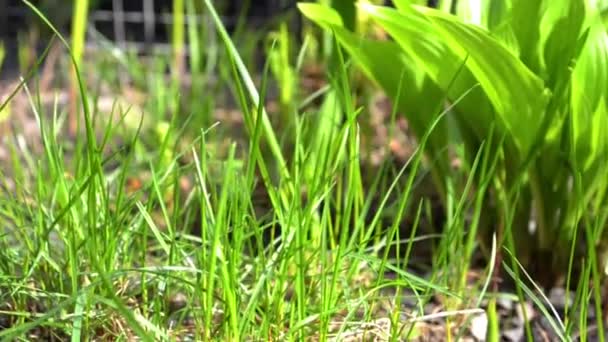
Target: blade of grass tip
[(299, 59), (109, 127), (486, 284), (254, 150), (91, 142), (152, 225), (29, 75), (93, 154), (241, 20), (51, 152), (314, 96), (126, 164), (278, 198), (200, 164), (249, 84)]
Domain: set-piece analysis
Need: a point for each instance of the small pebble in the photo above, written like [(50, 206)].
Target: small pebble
[(479, 327)]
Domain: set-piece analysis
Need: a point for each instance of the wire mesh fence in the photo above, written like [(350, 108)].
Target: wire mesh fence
[(143, 26)]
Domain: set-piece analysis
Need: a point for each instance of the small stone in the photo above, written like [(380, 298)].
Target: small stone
[(515, 334), (479, 327), (505, 303)]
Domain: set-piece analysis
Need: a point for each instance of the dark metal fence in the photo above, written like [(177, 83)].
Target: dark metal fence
[(141, 25), (141, 20)]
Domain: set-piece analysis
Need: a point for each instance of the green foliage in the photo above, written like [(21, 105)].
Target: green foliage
[(348, 12), (79, 27), (2, 54), (98, 243), (534, 73)]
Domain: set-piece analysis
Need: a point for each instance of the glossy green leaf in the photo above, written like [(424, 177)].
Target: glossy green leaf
[(589, 85), (562, 42), (415, 36), (322, 15), (516, 94), (525, 17), (398, 74)]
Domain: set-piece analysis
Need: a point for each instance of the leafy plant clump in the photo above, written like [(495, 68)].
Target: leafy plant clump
[(525, 82)]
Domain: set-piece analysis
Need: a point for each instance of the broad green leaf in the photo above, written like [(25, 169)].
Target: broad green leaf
[(498, 14), (402, 4), (415, 36), (400, 77), (561, 46), (401, 81), (429, 54), (347, 11), (516, 94), (589, 85), (525, 17), (506, 36), (597, 129), (557, 42), (322, 15)]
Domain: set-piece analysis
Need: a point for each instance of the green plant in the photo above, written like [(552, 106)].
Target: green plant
[(79, 27), (4, 110), (528, 69), (83, 253), (99, 261), (279, 54), (2, 54)]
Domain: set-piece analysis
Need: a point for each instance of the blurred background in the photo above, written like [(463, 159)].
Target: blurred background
[(137, 25)]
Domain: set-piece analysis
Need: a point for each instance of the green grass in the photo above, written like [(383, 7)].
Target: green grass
[(149, 225)]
